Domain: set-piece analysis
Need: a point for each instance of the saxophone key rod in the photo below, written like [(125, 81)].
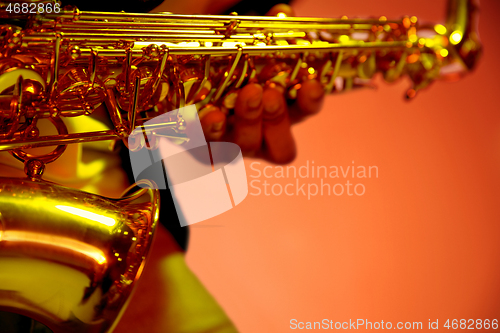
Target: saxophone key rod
[(94, 63)]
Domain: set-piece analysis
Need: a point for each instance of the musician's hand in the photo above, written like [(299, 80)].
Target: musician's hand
[(261, 124)]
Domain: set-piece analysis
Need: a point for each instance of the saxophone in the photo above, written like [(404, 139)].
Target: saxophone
[(61, 64)]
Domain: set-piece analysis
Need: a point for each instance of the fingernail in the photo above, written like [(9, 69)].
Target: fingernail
[(217, 126), (254, 101), (271, 106)]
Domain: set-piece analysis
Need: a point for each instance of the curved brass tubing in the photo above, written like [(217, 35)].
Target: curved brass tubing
[(70, 259)]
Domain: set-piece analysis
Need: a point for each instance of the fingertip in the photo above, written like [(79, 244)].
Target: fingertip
[(213, 124), (310, 97), (279, 143), (273, 104), (249, 102), (284, 157), (247, 128)]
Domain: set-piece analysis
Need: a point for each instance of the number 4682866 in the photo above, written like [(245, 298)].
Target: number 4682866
[(33, 8), (471, 324)]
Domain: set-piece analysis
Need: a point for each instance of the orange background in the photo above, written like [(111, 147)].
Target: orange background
[(421, 243)]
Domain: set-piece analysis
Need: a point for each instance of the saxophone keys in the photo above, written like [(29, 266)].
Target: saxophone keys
[(34, 168), (293, 91), (411, 93), (324, 71), (229, 100), (201, 93), (135, 141), (277, 73), (367, 66), (228, 75)]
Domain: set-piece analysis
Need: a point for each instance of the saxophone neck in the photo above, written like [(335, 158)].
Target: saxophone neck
[(462, 31)]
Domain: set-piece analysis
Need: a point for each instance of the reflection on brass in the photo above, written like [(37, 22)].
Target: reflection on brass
[(70, 259), (67, 64)]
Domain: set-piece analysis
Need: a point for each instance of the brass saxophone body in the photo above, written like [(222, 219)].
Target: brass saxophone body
[(67, 64), (64, 65), (70, 259)]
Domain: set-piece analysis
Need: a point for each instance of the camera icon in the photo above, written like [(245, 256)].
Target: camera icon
[(205, 179)]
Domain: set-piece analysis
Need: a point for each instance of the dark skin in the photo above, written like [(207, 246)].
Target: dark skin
[(263, 119)]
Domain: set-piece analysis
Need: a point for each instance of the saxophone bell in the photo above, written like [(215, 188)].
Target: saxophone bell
[(71, 259)]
